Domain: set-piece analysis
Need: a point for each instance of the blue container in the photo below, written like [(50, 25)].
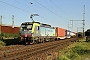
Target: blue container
[(67, 34)]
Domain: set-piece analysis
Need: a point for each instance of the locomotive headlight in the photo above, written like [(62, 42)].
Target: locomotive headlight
[(32, 35)]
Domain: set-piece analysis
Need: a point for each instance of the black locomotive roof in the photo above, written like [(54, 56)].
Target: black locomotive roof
[(46, 25), (30, 22), (42, 24)]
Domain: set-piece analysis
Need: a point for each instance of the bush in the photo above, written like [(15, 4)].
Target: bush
[(88, 39), (2, 43)]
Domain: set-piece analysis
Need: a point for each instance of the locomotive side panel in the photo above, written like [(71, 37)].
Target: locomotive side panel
[(42, 31), (47, 31), (50, 32)]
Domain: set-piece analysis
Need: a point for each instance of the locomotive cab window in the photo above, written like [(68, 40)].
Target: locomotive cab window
[(26, 27), (29, 27)]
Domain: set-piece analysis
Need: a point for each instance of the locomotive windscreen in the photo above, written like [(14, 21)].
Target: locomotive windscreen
[(26, 27)]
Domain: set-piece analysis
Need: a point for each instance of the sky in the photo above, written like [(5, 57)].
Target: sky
[(57, 13)]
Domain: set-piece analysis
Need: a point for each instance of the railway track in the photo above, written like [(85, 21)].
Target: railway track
[(33, 52)]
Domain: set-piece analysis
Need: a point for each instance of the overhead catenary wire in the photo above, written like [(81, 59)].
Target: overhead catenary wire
[(24, 4), (47, 8), (31, 3), (20, 3), (15, 6), (46, 2), (35, 10), (19, 8), (59, 8), (49, 4), (29, 11)]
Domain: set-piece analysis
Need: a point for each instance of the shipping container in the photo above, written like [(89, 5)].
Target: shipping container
[(9, 29), (16, 29), (72, 34), (68, 34), (60, 33)]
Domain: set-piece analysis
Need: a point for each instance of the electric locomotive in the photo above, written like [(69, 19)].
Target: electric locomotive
[(35, 32)]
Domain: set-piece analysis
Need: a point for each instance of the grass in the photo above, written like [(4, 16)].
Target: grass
[(77, 51), (83, 57)]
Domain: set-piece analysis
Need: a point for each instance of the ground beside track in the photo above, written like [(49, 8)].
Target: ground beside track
[(76, 51), (48, 50)]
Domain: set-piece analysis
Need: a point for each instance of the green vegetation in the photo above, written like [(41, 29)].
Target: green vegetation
[(63, 57), (2, 43), (87, 33), (77, 51), (8, 39), (8, 35), (80, 34)]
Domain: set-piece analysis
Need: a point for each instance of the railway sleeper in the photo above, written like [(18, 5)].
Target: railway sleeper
[(14, 53), (20, 53), (17, 57)]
